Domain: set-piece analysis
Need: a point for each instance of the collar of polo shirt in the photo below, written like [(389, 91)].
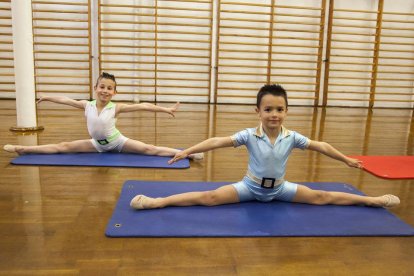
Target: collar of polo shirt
[(260, 132)]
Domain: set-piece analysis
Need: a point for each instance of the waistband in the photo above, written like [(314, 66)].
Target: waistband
[(109, 139), (263, 181)]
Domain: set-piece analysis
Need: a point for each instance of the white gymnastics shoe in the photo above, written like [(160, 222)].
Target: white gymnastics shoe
[(197, 156), (138, 202), (390, 201), (9, 148)]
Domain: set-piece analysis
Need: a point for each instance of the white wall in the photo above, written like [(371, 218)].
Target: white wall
[(136, 69)]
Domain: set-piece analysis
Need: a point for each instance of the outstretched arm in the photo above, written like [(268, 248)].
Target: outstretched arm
[(63, 100), (147, 107), (206, 145), (330, 151)]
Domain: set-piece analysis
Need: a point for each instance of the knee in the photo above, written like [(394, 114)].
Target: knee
[(150, 150), (63, 147), (321, 198), (209, 198)]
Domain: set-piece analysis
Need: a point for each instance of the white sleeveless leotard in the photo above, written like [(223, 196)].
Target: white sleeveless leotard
[(102, 129)]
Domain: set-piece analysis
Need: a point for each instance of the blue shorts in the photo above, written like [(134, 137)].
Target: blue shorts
[(248, 190)]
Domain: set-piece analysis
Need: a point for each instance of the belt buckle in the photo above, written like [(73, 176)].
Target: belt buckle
[(268, 183), (103, 142)]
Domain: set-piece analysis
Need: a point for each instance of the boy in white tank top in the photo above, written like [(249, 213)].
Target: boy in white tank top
[(101, 115)]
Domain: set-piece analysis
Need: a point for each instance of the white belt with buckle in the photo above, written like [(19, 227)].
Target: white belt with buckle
[(265, 182)]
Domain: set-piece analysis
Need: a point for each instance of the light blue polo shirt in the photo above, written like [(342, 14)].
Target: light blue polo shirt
[(266, 159)]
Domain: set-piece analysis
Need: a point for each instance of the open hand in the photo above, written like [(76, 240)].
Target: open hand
[(172, 109), (178, 156), (41, 98), (354, 163)]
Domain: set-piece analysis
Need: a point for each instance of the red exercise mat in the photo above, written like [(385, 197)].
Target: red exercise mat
[(390, 167)]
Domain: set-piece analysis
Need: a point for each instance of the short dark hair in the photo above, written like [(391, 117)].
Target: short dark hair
[(273, 89), (105, 75)]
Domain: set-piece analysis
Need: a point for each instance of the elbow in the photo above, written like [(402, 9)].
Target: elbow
[(213, 142), (325, 147)]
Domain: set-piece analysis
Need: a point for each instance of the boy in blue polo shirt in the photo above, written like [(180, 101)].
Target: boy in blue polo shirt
[(269, 146)]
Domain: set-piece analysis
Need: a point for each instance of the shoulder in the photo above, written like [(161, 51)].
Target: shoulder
[(119, 107), (294, 133), (89, 104), (242, 137), (299, 140), (246, 131), (111, 105), (290, 133)]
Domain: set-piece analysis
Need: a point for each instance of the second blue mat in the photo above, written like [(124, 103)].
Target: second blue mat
[(249, 219), (106, 159)]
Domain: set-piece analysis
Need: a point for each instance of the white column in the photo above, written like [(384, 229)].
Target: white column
[(214, 37), (95, 40), (24, 64)]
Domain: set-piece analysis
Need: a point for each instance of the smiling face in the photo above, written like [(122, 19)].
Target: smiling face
[(272, 112), (105, 90)]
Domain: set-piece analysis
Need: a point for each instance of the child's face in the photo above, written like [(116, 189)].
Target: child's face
[(272, 111), (105, 89)]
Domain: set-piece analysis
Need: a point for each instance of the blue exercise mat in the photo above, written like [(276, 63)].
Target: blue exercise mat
[(248, 219), (106, 159)]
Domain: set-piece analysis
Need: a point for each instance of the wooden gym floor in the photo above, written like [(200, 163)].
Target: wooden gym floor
[(52, 219)]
